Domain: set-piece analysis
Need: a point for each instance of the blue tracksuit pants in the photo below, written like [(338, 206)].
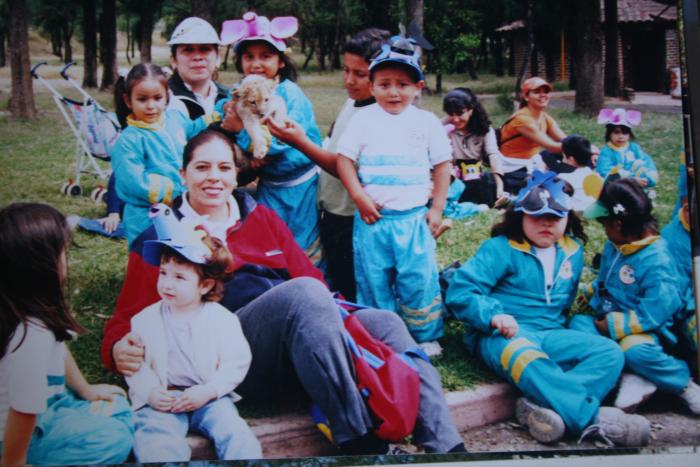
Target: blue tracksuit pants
[(645, 357), (396, 269), (565, 370)]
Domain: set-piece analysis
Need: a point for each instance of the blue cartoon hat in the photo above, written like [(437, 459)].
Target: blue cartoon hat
[(400, 50), (184, 237), (543, 194)]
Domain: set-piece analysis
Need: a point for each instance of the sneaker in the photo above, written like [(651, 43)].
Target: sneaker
[(691, 396), (618, 428), (396, 450), (633, 391), (431, 348), (545, 425), (72, 221)]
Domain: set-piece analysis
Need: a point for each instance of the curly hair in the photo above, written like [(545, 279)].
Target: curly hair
[(460, 99)]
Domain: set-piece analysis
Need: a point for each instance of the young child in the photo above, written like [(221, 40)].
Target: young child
[(147, 156), (41, 422), (395, 145), (196, 353), (473, 145), (635, 296), (512, 297), (620, 151), (288, 179), (577, 165)]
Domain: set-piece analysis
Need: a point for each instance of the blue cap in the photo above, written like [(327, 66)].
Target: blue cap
[(184, 237), (543, 194), (400, 50)]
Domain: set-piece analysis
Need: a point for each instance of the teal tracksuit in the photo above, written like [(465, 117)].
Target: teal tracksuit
[(636, 291), (288, 183), (631, 160), (677, 237), (146, 160), (565, 370)]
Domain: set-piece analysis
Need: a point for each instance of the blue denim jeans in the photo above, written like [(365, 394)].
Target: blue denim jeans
[(160, 436)]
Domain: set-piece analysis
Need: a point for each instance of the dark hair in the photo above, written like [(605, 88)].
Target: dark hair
[(636, 216), (415, 77), (33, 237), (609, 128), (367, 43), (460, 99), (124, 86), (512, 226), (201, 139), (288, 71), (579, 148), (218, 268)]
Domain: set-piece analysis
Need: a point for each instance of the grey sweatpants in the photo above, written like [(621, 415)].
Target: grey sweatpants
[(295, 334)]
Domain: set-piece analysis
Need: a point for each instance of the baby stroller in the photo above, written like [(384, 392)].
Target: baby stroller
[(95, 131)]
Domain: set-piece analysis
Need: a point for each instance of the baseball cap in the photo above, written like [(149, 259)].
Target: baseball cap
[(399, 50), (533, 83)]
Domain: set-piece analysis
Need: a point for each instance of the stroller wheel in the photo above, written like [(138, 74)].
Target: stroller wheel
[(97, 194), (74, 189)]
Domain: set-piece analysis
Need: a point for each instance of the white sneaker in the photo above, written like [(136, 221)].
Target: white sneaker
[(633, 391), (618, 428), (72, 221), (545, 425), (431, 348), (691, 396)]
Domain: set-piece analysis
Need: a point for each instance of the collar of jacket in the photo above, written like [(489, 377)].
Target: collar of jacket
[(178, 87), (566, 243), (618, 148), (631, 248), (157, 125)]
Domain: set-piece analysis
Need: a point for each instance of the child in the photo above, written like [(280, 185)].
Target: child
[(288, 179), (473, 144), (395, 145), (40, 421), (576, 167), (512, 296), (147, 156), (198, 353), (619, 151), (635, 296), (111, 225)]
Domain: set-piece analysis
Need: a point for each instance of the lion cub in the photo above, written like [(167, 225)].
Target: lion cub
[(256, 100)]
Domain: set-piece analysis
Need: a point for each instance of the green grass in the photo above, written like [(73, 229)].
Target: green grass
[(37, 158)]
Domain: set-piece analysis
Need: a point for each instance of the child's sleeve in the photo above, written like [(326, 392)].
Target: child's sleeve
[(114, 203), (136, 185), (193, 127), (439, 146), (468, 294), (352, 140), (234, 355), (27, 368), (606, 161), (145, 380), (660, 300), (649, 171)]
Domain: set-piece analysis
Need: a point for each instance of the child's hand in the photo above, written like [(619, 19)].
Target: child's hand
[(231, 122), (161, 399), (434, 218), (642, 181), (369, 210), (601, 324), (193, 398), (102, 392), (111, 222), (506, 325)]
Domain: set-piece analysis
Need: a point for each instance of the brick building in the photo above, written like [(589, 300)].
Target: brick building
[(647, 45)]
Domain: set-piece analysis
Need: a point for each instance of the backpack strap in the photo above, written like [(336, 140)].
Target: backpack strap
[(502, 141)]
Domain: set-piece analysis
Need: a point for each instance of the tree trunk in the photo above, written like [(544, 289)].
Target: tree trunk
[(67, 48), (589, 58), (415, 13), (438, 83), (612, 70), (3, 54), (309, 56), (224, 63), (145, 33), (203, 9), (108, 44), (530, 47), (56, 44), (22, 98), (497, 52), (90, 43)]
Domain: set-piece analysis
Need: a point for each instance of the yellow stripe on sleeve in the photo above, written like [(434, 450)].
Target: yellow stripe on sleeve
[(523, 360), (511, 348), (634, 340)]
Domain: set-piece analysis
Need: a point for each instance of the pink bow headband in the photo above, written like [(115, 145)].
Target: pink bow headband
[(620, 116), (254, 27)]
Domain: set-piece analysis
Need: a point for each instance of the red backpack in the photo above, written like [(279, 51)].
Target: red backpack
[(387, 380)]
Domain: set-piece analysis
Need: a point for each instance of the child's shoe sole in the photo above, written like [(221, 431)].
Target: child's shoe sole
[(545, 425)]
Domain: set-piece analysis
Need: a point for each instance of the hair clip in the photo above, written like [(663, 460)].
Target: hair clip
[(618, 209)]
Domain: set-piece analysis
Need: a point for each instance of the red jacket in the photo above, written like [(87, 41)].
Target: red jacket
[(264, 253)]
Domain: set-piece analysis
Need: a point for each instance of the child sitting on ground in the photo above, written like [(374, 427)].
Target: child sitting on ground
[(395, 145), (635, 297), (512, 296), (196, 353), (576, 167), (621, 151)]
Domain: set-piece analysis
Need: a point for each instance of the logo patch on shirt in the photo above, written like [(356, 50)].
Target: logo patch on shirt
[(627, 274), (567, 270)]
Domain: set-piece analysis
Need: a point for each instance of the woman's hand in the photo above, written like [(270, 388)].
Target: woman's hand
[(161, 399), (111, 222), (601, 324), (193, 398), (232, 122), (103, 392), (128, 354), (506, 325), (369, 210)]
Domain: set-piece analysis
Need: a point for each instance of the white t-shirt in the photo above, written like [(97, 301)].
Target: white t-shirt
[(580, 200), (547, 257), (206, 101), (395, 154), (25, 371)]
